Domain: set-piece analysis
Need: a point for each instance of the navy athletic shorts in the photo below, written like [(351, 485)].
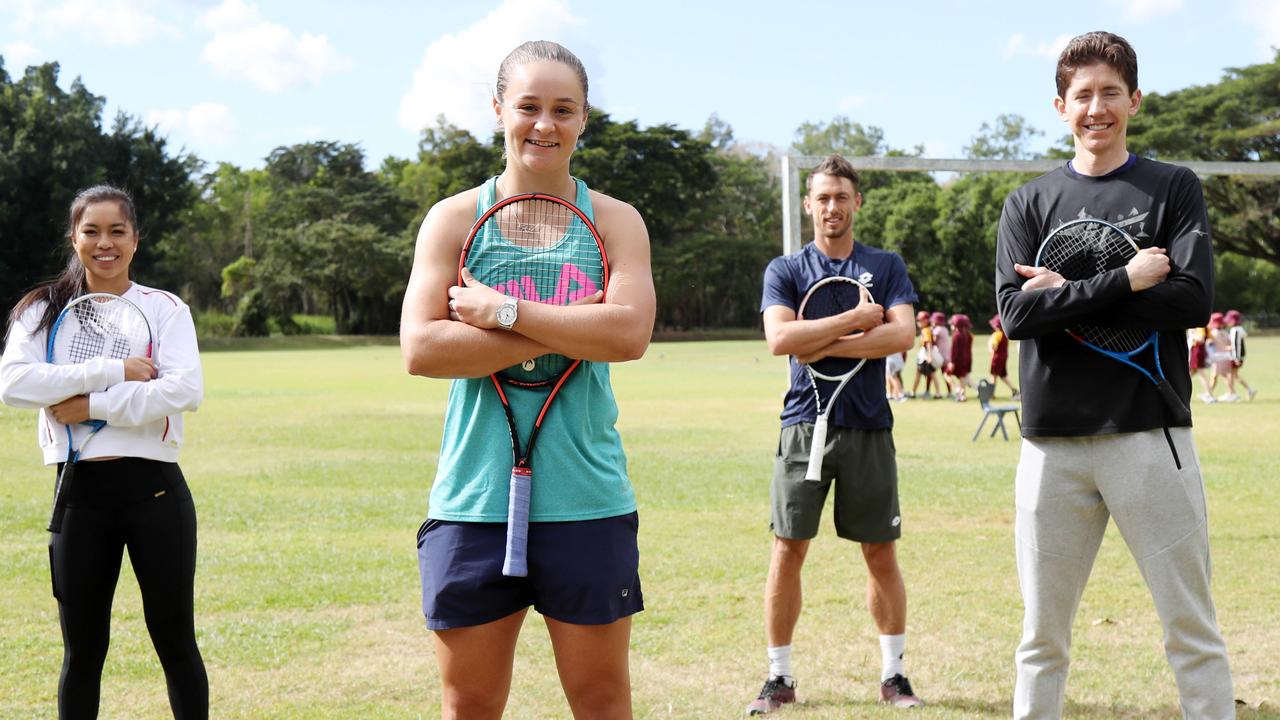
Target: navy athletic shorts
[(584, 572)]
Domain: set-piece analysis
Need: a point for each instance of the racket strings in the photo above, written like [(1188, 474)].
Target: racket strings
[(1117, 339), (102, 328), (1083, 250), (827, 298), (1086, 249), (537, 250)]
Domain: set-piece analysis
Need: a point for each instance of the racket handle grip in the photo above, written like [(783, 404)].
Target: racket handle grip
[(516, 561), (1181, 413), (817, 449), (60, 497)]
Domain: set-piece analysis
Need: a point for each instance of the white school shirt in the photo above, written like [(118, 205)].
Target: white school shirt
[(144, 419)]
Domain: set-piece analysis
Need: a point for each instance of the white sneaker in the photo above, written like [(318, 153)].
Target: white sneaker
[(1229, 397), (1206, 397), (1252, 392)]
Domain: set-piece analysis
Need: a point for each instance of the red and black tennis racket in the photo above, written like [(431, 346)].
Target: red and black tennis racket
[(536, 248)]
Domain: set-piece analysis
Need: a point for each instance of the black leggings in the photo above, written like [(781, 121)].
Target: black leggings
[(146, 506)]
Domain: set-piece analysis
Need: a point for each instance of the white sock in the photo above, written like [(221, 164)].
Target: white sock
[(780, 661), (892, 648)]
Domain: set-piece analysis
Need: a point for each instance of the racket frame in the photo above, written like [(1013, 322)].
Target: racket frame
[(1181, 413), (515, 561), (817, 445), (67, 474)]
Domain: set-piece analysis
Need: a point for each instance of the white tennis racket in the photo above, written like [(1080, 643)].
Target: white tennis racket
[(829, 376)]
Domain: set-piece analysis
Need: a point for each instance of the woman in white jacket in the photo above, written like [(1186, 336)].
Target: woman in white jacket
[(128, 489)]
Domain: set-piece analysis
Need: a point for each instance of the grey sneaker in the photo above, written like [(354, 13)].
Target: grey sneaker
[(896, 691), (777, 691)]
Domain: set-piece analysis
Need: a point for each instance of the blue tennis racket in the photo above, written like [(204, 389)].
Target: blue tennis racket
[(94, 325), (1082, 249)]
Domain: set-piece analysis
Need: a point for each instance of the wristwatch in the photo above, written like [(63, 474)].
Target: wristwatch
[(507, 313)]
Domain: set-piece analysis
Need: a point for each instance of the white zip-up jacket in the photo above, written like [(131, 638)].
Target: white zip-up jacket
[(144, 419)]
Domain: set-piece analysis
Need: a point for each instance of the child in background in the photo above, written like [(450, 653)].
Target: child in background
[(961, 363), (999, 347), (1198, 360), (925, 365), (1236, 335), (1220, 357), (942, 342), (893, 365)]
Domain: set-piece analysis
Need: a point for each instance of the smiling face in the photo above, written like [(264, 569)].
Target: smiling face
[(1096, 106), (832, 201), (543, 110), (105, 241)]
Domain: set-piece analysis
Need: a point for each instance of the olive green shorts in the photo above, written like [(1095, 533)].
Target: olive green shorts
[(863, 467)]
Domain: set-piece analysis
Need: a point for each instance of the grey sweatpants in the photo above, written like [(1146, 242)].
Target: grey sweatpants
[(1067, 488)]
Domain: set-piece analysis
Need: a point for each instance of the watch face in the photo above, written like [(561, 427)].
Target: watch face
[(507, 315)]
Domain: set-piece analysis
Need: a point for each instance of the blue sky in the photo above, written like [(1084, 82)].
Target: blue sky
[(230, 80)]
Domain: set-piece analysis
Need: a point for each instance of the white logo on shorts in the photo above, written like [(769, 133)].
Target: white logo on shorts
[(625, 592), (897, 520)]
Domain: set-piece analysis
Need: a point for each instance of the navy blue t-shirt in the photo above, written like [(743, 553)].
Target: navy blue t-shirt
[(862, 404)]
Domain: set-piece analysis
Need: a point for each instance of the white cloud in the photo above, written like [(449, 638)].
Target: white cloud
[(1018, 46), (456, 75), (1145, 10), (111, 22), (1264, 17), (231, 15), (203, 124), (17, 56), (270, 56)]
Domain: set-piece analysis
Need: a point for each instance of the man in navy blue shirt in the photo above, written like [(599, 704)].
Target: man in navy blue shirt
[(860, 458)]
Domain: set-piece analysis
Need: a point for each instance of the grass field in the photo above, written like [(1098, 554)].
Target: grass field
[(311, 468)]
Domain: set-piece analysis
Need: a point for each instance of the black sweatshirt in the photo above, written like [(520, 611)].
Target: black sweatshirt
[(1068, 389)]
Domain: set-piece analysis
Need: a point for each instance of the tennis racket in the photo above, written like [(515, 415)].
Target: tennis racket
[(536, 248), (1081, 249), (95, 325), (828, 376)]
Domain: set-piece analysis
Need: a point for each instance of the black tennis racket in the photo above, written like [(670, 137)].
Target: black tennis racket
[(828, 297), (536, 248), (1082, 249), (94, 325)]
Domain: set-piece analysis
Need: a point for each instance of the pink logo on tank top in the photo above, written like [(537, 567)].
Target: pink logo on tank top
[(572, 285)]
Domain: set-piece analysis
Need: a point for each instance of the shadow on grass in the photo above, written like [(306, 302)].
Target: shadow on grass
[(294, 342)]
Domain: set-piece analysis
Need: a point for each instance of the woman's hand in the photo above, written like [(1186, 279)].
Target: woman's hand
[(72, 411), (476, 304), (140, 369)]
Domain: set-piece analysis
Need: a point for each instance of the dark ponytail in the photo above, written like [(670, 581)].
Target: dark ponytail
[(56, 293)]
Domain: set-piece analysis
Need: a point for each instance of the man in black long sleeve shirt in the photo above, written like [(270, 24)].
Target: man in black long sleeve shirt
[(1098, 440)]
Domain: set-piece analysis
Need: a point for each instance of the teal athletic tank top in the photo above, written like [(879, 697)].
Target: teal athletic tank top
[(579, 468)]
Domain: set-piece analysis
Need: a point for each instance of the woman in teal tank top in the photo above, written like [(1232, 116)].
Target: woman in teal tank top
[(583, 562)]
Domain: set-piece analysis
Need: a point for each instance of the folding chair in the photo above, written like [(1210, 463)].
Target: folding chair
[(985, 392)]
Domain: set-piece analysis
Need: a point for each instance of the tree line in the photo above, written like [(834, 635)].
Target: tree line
[(314, 232)]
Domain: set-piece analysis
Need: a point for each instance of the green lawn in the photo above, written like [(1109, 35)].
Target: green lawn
[(311, 469)]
